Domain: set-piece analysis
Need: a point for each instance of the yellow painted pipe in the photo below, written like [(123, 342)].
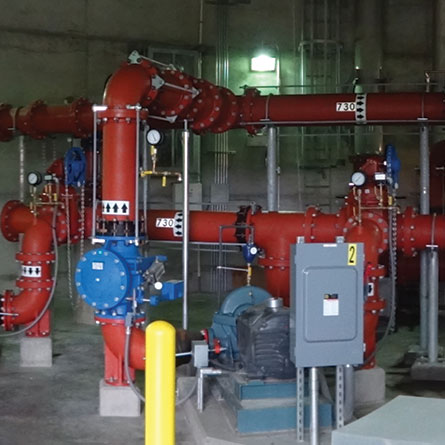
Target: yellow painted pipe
[(160, 384)]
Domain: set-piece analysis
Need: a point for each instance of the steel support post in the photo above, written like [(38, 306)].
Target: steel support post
[(433, 313), (424, 210), (314, 405), (349, 393), (186, 217), (272, 181), (300, 405), (339, 396)]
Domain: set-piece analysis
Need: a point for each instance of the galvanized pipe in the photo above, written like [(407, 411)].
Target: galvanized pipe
[(22, 168), (186, 216), (423, 300), (349, 392), (433, 313), (314, 405), (424, 205), (272, 195)]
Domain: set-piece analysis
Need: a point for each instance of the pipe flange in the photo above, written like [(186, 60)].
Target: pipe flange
[(9, 207), (309, 218), (407, 239), (120, 113), (206, 108), (175, 96), (229, 112), (6, 134), (8, 323), (27, 114), (76, 109), (376, 219), (31, 283), (246, 107), (108, 319), (274, 263), (28, 258)]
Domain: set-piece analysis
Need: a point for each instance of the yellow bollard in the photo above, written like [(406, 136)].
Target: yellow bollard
[(160, 341)]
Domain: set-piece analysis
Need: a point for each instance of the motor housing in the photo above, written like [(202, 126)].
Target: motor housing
[(263, 340)]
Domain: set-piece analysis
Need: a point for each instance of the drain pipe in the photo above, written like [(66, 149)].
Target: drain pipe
[(272, 195), (424, 210)]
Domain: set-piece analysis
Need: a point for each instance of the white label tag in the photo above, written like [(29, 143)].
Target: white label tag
[(165, 223), (97, 265), (345, 106), (115, 207), (330, 307)]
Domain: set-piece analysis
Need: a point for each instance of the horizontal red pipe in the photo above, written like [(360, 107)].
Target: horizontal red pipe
[(319, 108), (131, 85), (39, 120)]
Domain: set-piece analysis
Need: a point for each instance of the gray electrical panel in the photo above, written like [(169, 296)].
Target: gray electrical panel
[(327, 296)]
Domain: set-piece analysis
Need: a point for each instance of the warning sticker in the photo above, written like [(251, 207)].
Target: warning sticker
[(330, 305)]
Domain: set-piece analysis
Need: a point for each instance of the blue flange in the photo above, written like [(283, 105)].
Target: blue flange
[(102, 279)]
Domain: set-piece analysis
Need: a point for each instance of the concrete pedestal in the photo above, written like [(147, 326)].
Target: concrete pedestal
[(369, 388), (36, 352), (423, 370), (118, 401)]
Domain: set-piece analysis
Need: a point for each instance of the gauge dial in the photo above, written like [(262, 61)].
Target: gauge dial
[(34, 178), (358, 179), (154, 137)]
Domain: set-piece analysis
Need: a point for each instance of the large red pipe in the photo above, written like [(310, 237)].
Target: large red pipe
[(38, 120), (316, 109), (35, 254)]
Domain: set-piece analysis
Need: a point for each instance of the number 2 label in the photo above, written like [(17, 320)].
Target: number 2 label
[(352, 254)]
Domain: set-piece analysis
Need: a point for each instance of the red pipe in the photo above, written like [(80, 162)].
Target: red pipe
[(38, 120), (114, 337), (35, 255), (316, 109)]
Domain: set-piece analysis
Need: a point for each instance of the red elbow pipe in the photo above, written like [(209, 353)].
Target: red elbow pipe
[(114, 337)]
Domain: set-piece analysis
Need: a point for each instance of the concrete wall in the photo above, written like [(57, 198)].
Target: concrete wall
[(57, 49)]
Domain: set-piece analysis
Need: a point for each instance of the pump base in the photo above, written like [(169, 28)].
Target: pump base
[(423, 370), (118, 401), (369, 389), (36, 352)]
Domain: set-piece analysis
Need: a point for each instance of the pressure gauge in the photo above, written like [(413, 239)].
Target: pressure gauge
[(34, 178), (154, 137), (358, 178)]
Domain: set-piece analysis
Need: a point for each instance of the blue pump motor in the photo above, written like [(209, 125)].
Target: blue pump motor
[(224, 321)]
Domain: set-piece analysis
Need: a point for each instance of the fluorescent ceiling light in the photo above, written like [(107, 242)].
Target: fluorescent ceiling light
[(263, 63)]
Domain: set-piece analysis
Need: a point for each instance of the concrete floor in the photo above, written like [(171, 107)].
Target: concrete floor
[(59, 405)]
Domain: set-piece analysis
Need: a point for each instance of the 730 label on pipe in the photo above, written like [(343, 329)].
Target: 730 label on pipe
[(345, 106), (165, 223)]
